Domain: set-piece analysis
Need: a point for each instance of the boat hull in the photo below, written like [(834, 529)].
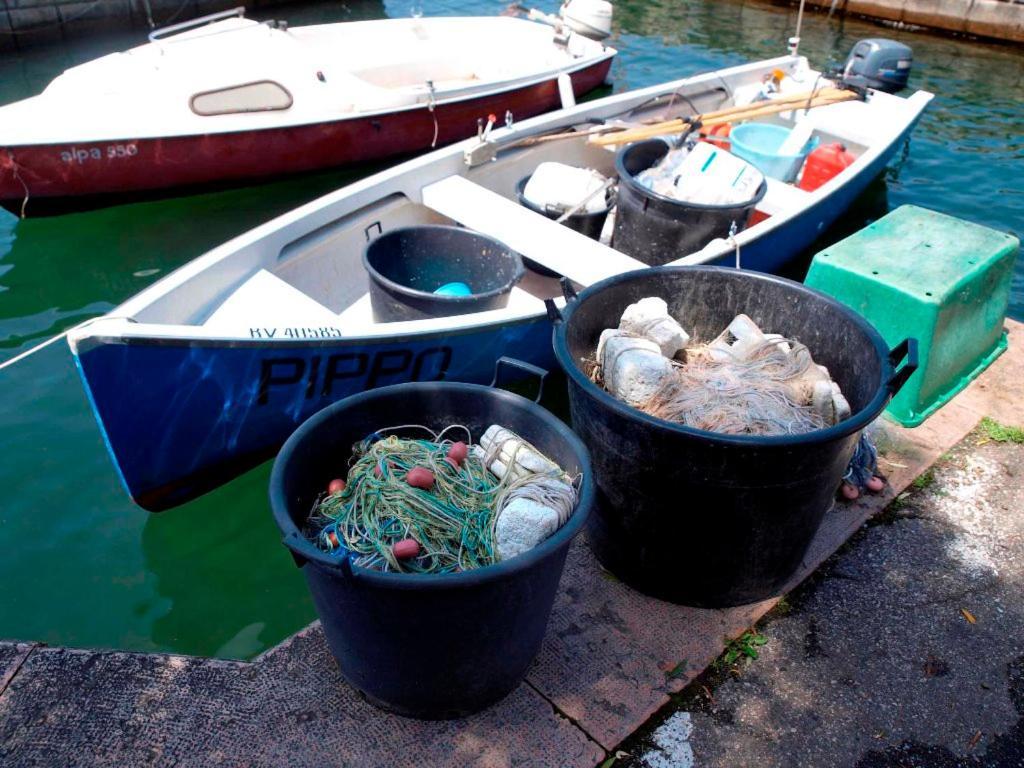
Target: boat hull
[(182, 418), (134, 165)]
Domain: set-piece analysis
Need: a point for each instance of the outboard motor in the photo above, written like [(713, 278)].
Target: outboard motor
[(879, 63), (590, 18)]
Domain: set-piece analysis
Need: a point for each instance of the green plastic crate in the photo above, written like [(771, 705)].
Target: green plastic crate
[(936, 278)]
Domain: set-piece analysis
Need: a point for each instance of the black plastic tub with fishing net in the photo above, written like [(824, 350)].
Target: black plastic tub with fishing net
[(709, 519), (432, 646)]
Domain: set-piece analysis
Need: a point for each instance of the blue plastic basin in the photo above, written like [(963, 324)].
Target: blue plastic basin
[(758, 144)]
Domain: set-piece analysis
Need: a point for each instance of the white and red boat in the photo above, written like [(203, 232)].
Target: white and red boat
[(236, 99)]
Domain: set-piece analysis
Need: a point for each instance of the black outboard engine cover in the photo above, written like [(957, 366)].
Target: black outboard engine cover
[(879, 63)]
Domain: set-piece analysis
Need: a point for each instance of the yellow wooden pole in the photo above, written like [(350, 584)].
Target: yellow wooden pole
[(711, 119)]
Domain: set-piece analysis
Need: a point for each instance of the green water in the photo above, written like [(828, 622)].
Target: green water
[(82, 566)]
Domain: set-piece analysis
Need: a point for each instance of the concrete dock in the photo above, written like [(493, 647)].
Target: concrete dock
[(989, 19), (25, 23), (904, 649), (608, 676)]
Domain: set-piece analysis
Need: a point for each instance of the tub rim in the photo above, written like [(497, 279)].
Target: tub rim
[(415, 293)]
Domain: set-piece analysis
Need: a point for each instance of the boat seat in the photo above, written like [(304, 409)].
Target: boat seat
[(781, 198), (267, 301), (534, 236)]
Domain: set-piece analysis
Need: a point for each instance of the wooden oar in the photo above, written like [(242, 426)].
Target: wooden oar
[(711, 119), (737, 112), (622, 134), (679, 126), (592, 132)]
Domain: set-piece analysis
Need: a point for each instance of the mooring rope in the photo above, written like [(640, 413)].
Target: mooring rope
[(63, 334), (13, 165), (43, 345)]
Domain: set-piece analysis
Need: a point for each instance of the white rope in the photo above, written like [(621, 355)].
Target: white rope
[(544, 490), (735, 243), (38, 347), (431, 104), (63, 334), (14, 170)]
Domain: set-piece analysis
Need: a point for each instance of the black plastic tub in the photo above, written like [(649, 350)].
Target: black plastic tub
[(589, 224), (656, 229), (408, 264), (417, 644), (707, 519)]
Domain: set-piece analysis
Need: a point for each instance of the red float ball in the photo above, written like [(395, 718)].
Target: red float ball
[(405, 549), (420, 477), (458, 451), (337, 485)]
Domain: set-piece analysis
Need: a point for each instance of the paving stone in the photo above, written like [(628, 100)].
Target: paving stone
[(290, 707), (612, 655), (11, 657), (876, 665), (999, 392)]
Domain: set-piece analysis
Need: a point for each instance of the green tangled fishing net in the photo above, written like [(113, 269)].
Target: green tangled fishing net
[(453, 522)]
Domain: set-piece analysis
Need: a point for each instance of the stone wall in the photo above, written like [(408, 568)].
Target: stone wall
[(24, 23), (994, 19)]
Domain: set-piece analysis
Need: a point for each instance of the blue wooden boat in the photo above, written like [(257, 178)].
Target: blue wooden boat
[(206, 373)]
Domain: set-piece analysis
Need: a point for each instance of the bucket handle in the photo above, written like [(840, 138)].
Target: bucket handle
[(380, 230), (511, 362), (303, 551), (908, 349), (554, 313), (568, 290)]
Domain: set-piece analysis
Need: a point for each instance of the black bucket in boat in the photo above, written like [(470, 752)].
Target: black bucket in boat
[(589, 224), (709, 519), (656, 229), (429, 646), (408, 264)]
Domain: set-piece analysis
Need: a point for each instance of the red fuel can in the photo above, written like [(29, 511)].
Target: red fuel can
[(717, 135), (823, 164)]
